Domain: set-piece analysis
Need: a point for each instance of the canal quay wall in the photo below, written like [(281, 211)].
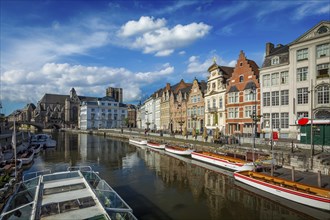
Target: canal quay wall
[(287, 154)]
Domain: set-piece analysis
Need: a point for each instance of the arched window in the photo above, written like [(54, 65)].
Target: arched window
[(241, 79)]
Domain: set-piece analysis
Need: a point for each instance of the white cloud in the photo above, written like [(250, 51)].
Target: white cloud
[(144, 24), (59, 78), (182, 52), (310, 9), (164, 41)]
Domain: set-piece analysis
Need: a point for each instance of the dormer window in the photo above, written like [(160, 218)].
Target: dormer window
[(275, 60)]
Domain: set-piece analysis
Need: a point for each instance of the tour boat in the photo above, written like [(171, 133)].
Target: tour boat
[(156, 145), (301, 193), (137, 141), (72, 194), (178, 150), (223, 160), (44, 139)]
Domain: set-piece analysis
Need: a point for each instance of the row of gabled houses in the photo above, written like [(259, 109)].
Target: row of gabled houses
[(293, 82)]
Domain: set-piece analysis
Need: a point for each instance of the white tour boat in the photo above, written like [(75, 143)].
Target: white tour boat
[(179, 150), (301, 193), (156, 145), (223, 161), (72, 194), (138, 141)]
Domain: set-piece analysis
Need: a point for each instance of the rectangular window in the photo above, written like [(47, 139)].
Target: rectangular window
[(284, 77), (322, 50), (266, 99), (275, 79), (275, 98), (208, 104), (233, 97), (214, 103), (302, 95), (248, 111), (302, 74), (322, 70), (249, 95), (275, 60), (275, 120), (266, 119), (302, 114), (220, 103), (302, 54), (233, 112), (285, 97), (284, 120), (323, 93), (266, 80)]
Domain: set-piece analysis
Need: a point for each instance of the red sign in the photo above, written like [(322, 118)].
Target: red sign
[(303, 121), (275, 136)]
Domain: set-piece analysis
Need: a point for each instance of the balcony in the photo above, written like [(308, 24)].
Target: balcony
[(321, 76)]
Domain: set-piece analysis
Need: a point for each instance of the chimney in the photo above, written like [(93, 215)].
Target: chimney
[(269, 48), (168, 86)]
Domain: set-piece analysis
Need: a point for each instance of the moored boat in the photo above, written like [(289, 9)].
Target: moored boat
[(72, 194), (44, 139), (175, 149), (223, 161), (137, 141), (27, 156), (156, 145), (301, 193)]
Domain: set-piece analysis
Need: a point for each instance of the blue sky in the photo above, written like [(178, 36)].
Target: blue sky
[(52, 46)]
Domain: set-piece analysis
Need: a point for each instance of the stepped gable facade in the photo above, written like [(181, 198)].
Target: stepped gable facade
[(243, 98)]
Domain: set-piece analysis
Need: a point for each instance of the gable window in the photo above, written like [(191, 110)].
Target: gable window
[(241, 79), (322, 70), (302, 54), (322, 50), (322, 30), (302, 74), (275, 60), (284, 77), (302, 94), (323, 94)]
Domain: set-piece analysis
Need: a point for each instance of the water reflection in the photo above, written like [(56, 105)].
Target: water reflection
[(158, 185)]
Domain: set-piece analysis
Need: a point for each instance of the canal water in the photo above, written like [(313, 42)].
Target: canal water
[(158, 185)]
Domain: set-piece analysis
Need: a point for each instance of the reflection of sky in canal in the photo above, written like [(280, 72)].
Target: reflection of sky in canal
[(158, 185)]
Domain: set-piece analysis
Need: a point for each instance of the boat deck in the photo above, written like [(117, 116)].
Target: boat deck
[(224, 157)]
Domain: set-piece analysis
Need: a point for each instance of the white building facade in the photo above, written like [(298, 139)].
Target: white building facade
[(215, 97), (102, 114), (295, 82)]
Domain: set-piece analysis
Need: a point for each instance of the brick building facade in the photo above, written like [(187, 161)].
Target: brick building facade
[(243, 98)]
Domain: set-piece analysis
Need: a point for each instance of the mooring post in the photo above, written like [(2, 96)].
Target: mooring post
[(292, 174), (319, 179)]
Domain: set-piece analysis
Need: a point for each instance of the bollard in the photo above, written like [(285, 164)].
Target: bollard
[(292, 174), (319, 179)]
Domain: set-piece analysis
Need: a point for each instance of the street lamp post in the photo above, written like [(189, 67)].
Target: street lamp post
[(312, 117), (254, 118), (181, 121)]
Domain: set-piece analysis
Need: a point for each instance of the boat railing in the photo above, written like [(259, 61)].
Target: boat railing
[(81, 168), (31, 175), (107, 196)]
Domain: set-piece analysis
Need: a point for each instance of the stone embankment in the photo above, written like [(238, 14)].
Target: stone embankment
[(286, 154)]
